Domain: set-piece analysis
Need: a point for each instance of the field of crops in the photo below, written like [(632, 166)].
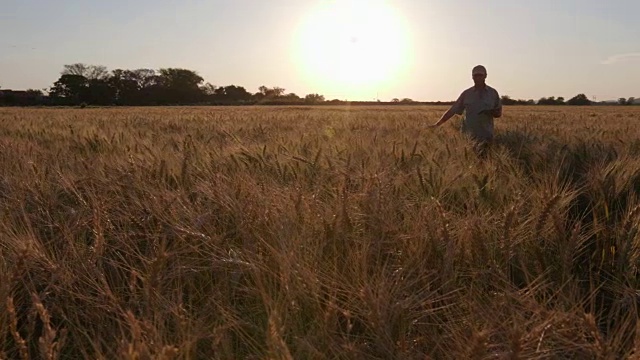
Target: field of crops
[(318, 233)]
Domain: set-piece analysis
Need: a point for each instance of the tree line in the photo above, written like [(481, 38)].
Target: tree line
[(580, 99), (80, 84)]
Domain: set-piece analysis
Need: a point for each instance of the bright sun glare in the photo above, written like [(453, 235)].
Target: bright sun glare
[(352, 47)]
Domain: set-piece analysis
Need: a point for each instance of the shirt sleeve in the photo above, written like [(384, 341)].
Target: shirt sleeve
[(458, 106), (498, 104)]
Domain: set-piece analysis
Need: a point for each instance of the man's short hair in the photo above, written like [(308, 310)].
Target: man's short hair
[(479, 69)]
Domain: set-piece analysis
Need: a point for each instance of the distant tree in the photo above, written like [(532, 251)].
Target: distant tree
[(220, 92), (75, 69), (100, 92), (21, 98), (69, 89), (622, 101), (208, 89), (314, 99), (395, 100), (266, 95), (238, 93), (291, 98), (231, 94), (126, 87), (551, 101), (631, 101), (177, 86), (507, 100), (277, 91), (145, 78), (547, 101), (177, 77), (580, 99), (270, 93), (151, 88), (35, 92), (407, 101), (91, 72)]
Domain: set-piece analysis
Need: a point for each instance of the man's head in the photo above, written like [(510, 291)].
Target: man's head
[(479, 74)]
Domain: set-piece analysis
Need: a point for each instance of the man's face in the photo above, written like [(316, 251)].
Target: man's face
[(479, 78)]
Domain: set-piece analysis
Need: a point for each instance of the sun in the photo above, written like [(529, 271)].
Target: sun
[(352, 47)]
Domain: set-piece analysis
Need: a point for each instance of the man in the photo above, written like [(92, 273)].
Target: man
[(481, 104)]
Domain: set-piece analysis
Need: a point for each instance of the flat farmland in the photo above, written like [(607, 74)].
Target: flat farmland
[(318, 233)]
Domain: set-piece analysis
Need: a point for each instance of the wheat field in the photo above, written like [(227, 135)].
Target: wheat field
[(318, 233)]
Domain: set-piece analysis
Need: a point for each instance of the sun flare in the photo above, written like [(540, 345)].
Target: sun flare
[(352, 47)]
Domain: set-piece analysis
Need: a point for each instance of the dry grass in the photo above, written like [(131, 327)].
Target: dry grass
[(317, 233)]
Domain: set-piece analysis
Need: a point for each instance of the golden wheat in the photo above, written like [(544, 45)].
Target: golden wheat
[(317, 232)]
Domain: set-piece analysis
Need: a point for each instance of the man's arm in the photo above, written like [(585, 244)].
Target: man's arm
[(446, 116), (456, 108), (497, 110)]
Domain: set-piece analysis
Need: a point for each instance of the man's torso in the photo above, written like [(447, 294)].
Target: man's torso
[(479, 126)]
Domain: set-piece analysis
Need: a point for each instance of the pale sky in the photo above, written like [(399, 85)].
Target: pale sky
[(421, 49)]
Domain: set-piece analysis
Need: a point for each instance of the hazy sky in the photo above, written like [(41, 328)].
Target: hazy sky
[(530, 48)]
